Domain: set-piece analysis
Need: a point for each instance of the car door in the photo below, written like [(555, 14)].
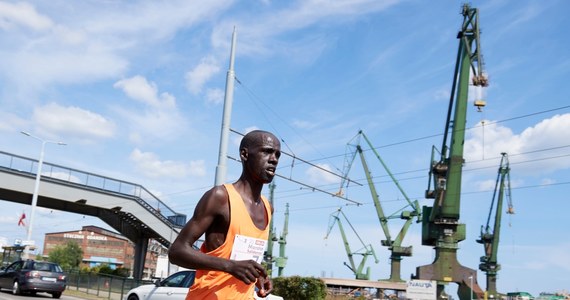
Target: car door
[(174, 287), (7, 275), (2, 276)]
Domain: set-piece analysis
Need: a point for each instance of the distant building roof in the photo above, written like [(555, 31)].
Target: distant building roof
[(95, 229)]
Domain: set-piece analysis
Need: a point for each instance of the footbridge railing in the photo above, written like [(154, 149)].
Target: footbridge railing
[(20, 164)]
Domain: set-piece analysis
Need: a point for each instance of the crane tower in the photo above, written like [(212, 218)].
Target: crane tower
[(490, 237), (441, 228)]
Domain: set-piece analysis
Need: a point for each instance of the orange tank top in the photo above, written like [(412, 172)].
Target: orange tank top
[(210, 285)]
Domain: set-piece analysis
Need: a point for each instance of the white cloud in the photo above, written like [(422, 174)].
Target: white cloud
[(11, 122), (71, 120), (215, 96), (197, 168), (10, 220), (519, 16), (542, 257), (257, 38), (152, 20), (60, 43), (304, 124), (441, 93), (22, 14), (197, 77), (151, 165), (159, 119), (319, 174), (149, 125), (36, 68), (486, 185), (138, 88), (540, 143), (547, 181)]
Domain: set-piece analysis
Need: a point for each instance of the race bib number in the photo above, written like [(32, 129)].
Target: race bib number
[(246, 248)]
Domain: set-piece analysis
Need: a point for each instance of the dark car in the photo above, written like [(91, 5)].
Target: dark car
[(30, 276)]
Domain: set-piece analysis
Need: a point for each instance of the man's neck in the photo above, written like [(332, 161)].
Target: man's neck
[(248, 189)]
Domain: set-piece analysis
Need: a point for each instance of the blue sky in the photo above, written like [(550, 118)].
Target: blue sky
[(135, 89)]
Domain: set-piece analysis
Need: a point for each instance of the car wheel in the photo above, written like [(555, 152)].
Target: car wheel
[(56, 295), (133, 297), (16, 288)]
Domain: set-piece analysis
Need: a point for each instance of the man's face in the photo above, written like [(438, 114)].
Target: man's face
[(263, 157)]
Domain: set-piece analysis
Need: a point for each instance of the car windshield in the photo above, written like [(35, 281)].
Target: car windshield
[(175, 281), (43, 266), (183, 279)]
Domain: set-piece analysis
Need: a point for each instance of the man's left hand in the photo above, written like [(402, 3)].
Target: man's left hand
[(264, 286)]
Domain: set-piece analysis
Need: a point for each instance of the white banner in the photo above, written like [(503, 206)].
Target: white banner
[(421, 289)]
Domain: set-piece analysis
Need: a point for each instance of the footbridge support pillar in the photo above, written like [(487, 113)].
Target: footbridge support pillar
[(141, 246)]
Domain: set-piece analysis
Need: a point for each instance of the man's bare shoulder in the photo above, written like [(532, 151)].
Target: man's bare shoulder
[(216, 198)]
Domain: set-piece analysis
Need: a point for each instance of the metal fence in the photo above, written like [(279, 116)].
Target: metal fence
[(102, 285)]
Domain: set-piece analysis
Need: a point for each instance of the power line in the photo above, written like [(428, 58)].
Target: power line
[(464, 170), (414, 140), (299, 159), (252, 96), (332, 187), (313, 187), (440, 134), (463, 193)]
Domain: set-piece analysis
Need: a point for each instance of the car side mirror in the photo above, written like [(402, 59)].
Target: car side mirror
[(157, 282)]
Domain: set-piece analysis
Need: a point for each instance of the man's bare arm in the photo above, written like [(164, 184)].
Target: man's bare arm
[(211, 207)]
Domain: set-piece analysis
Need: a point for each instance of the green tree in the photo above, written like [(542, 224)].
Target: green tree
[(301, 288), (105, 269), (68, 256), (123, 272)]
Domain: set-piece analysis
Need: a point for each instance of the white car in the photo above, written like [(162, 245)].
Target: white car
[(174, 287)]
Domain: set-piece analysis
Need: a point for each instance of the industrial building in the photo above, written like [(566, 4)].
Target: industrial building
[(101, 246)]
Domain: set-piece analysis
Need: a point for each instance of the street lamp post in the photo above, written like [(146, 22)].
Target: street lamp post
[(37, 184)]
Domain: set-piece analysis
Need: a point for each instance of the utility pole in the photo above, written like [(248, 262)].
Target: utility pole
[(29, 241), (221, 168)]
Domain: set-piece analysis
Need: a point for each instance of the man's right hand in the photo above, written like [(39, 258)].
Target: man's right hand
[(247, 270)]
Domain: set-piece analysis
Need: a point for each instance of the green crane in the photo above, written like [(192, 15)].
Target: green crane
[(394, 245), (490, 239), (440, 223), (366, 251), (281, 261), (268, 258)]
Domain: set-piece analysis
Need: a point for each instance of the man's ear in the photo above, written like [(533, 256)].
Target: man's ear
[(243, 154)]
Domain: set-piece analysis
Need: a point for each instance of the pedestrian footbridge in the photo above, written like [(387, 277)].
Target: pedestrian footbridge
[(127, 207)]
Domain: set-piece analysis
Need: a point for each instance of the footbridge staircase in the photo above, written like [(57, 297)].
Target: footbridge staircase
[(127, 207)]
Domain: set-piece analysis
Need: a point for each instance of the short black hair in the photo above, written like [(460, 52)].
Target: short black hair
[(252, 137)]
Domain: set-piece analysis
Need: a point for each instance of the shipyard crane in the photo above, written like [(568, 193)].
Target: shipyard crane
[(440, 223), (366, 251), (281, 260), (490, 239), (268, 258), (394, 245)]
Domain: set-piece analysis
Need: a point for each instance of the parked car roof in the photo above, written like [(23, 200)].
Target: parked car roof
[(174, 287)]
